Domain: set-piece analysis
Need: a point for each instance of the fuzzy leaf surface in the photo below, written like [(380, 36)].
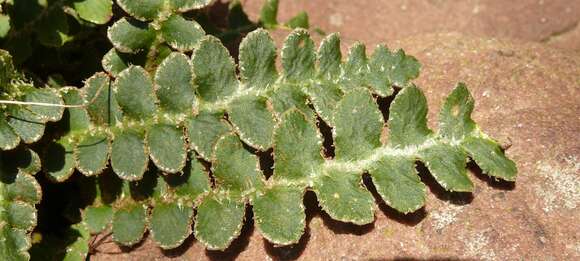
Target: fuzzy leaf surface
[(19, 192), (178, 109)]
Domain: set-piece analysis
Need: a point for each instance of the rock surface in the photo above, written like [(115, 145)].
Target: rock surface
[(527, 95), (375, 21)]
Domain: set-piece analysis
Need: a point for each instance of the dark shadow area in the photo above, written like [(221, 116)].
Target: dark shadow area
[(55, 158), (491, 181), (54, 245), (384, 103), (58, 208), (266, 159), (13, 160), (106, 238), (410, 219), (291, 252), (144, 189), (327, 140), (240, 243), (339, 227), (456, 198)]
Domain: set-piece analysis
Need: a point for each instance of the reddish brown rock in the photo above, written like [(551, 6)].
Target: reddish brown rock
[(374, 21)]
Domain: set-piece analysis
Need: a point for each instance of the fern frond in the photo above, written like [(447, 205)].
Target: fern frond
[(19, 192), (200, 105)]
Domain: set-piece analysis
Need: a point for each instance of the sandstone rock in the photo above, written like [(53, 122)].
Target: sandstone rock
[(374, 21)]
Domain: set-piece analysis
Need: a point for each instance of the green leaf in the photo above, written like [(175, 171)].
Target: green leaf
[(388, 68), (298, 56), (297, 147), (167, 147), (355, 69), (7, 71), (455, 121), (130, 36), (254, 122), (214, 70), (299, 21), (204, 131), (324, 97), (8, 138), (134, 93), (129, 155), (219, 221), (59, 158), (59, 163), (181, 34), (21, 160), (143, 10), (97, 219), (186, 5), (258, 60), (102, 104), (408, 118), (114, 61), (46, 95), (397, 182), (170, 224), (329, 58), (79, 249), (192, 183), (379, 66), (343, 197), (94, 11), (403, 68), (20, 215), (18, 193), (129, 224), (22, 188), (4, 25), (269, 14), (287, 97), (29, 126), (77, 117), (279, 214), (92, 153), (358, 126), (447, 164), (14, 245), (174, 82), (490, 158), (234, 168)]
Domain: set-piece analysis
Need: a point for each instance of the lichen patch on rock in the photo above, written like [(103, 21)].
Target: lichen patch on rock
[(561, 188), (445, 216)]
